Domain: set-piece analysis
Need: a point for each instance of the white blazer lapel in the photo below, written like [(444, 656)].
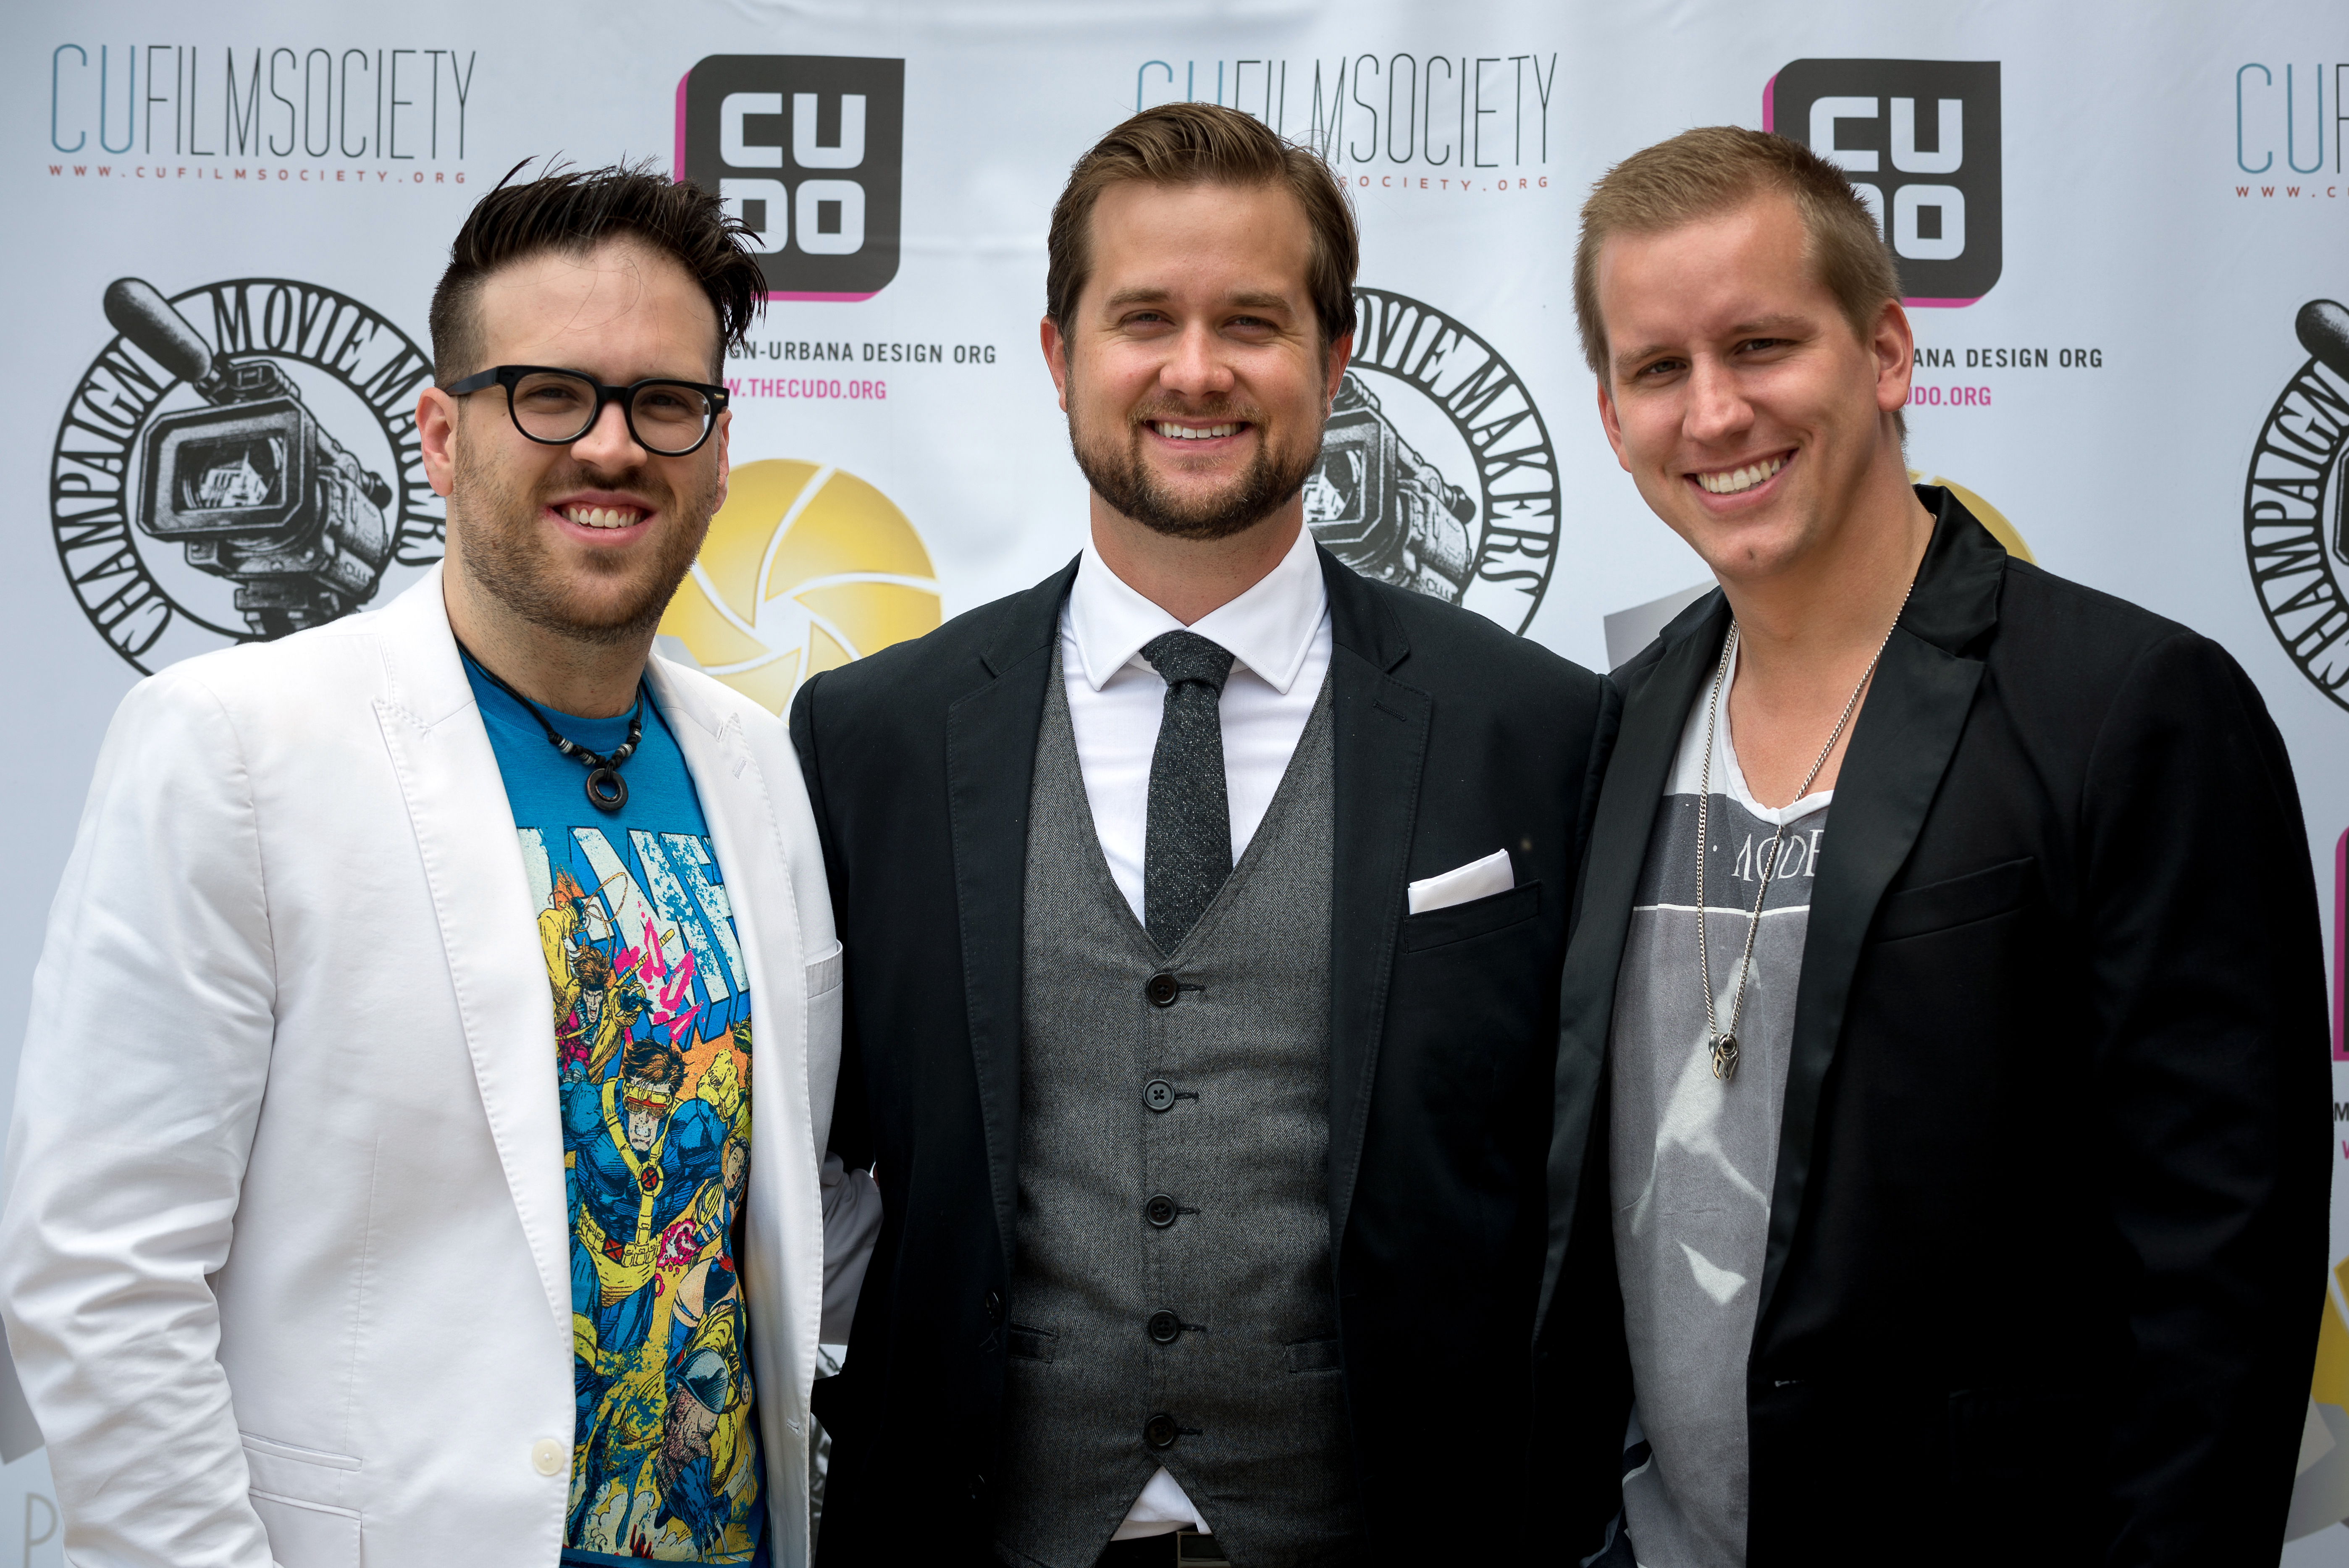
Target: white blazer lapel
[(745, 834), (472, 859), (783, 1211)]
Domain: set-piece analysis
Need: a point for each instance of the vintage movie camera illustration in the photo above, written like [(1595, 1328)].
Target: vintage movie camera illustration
[(252, 485), (1383, 508)]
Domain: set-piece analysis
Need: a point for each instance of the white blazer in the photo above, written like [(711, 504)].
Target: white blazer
[(283, 1257)]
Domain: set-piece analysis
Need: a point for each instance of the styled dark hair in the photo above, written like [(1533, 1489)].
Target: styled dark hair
[(572, 211), (1178, 144)]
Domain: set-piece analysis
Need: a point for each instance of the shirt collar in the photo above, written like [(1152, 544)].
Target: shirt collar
[(1269, 629)]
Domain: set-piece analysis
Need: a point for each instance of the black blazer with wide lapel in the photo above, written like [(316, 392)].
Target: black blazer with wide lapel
[(989, 781), (1452, 740), (2050, 1178)]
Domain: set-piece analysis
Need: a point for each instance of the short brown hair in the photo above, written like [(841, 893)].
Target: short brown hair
[(1704, 172), (1178, 144), (654, 1061), (573, 211)]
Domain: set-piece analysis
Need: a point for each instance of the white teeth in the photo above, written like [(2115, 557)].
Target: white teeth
[(600, 516), (1744, 478), (1195, 433)]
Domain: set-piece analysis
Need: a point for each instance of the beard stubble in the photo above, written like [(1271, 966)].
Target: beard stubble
[(507, 552), (1120, 476)]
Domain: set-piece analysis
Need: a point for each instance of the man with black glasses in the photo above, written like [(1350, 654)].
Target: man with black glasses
[(418, 1207)]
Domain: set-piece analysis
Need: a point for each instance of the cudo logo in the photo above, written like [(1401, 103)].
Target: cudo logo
[(806, 568), (241, 462), (1921, 141), (2296, 505), (809, 152)]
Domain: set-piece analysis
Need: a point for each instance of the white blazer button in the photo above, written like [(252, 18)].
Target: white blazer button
[(547, 1457)]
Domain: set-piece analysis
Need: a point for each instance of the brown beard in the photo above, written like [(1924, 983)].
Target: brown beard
[(1120, 476), (506, 549)]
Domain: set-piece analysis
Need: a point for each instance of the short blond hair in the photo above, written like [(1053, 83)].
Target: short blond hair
[(1713, 170)]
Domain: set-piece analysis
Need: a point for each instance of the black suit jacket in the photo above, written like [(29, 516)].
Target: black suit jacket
[(1453, 738), (2050, 1217)]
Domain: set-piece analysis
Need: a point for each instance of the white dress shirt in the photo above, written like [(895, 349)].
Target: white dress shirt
[(1278, 635)]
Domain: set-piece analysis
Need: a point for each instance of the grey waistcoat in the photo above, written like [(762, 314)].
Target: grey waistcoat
[(1235, 1139)]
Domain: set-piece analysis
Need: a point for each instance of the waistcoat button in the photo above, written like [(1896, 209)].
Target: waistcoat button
[(1162, 989), (1165, 1327), (1158, 1094), (1159, 1210), (994, 1307), (1159, 1431), (547, 1458)]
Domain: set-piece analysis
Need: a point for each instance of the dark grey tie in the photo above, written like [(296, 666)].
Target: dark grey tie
[(1186, 846)]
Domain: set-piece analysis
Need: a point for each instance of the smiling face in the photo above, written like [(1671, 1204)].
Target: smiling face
[(1752, 419), (1192, 368), (588, 541)]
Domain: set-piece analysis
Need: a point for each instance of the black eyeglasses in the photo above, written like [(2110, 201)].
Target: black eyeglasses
[(555, 407)]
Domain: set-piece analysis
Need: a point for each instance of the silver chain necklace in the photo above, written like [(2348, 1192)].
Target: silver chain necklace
[(1725, 1041)]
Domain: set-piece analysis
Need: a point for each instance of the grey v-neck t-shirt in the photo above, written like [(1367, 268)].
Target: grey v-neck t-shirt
[(1693, 1158)]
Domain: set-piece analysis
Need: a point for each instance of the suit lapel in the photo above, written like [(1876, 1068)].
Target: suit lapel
[(1381, 738), (1655, 712), (745, 835), (472, 857), (990, 767), (783, 1205), (1901, 745)]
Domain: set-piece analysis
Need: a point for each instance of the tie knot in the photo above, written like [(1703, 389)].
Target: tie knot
[(1180, 657)]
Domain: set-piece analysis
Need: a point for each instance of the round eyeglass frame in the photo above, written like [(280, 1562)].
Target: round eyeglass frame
[(508, 376)]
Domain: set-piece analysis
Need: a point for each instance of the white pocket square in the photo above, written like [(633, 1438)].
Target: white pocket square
[(1477, 879)]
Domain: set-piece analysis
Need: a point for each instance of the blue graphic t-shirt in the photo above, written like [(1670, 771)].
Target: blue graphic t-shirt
[(652, 1032)]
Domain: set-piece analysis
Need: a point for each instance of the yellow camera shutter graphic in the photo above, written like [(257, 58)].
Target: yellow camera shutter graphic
[(806, 567)]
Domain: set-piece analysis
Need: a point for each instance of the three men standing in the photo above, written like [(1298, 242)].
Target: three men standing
[(1204, 907), (1256, 1188), (1946, 973)]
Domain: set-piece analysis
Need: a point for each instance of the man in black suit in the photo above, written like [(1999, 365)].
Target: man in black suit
[(1202, 907), (1967, 1153)]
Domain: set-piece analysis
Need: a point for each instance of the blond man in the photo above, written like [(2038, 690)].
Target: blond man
[(1948, 967)]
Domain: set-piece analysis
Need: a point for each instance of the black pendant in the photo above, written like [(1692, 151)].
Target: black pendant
[(607, 790)]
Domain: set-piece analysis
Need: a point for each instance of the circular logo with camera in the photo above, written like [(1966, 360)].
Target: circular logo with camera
[(1436, 472), (238, 463), (2295, 521)]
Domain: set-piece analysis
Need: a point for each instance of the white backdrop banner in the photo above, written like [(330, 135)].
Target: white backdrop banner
[(2118, 240)]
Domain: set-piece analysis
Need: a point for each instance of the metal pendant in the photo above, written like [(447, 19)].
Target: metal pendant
[(607, 790), (1724, 1057)]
